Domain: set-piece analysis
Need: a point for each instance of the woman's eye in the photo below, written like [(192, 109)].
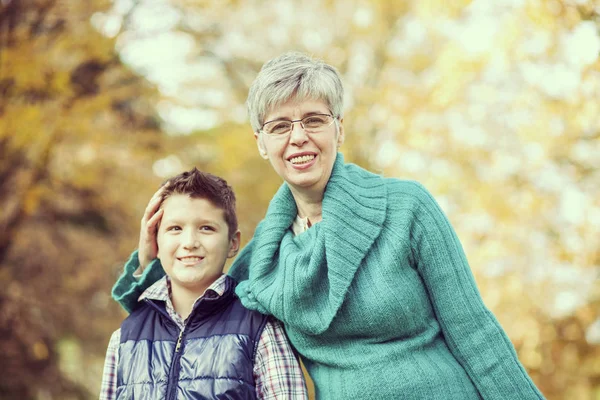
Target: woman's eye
[(206, 228), (174, 228), (281, 127), (314, 121)]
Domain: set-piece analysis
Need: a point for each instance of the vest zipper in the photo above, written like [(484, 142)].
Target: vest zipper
[(171, 392), (173, 379), (178, 346)]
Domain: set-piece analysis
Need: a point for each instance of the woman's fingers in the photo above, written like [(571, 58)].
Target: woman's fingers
[(148, 248), (153, 223), (152, 206)]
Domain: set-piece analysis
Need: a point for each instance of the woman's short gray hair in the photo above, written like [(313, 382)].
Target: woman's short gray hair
[(293, 75)]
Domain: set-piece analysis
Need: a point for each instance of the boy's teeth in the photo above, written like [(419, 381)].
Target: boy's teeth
[(302, 159), (190, 259)]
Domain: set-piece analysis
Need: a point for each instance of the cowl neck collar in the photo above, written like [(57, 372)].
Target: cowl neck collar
[(303, 280)]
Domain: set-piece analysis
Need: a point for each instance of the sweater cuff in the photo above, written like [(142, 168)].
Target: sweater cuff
[(129, 288)]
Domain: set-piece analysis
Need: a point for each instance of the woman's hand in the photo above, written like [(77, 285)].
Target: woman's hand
[(148, 248)]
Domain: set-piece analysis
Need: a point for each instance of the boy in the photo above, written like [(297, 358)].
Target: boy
[(191, 338)]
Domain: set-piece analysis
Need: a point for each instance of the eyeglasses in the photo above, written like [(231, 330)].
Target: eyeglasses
[(313, 123)]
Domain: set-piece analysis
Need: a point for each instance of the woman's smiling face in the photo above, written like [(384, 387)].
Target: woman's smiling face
[(304, 160)]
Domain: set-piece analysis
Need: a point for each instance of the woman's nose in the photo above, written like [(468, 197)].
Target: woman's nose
[(298, 135)]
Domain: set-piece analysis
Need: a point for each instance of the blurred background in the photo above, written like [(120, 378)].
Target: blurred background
[(493, 105)]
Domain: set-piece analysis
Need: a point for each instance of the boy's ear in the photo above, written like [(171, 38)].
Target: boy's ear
[(261, 146), (234, 244)]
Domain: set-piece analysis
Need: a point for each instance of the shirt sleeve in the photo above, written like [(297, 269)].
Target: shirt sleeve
[(108, 389), (277, 371), (471, 331), (129, 288)]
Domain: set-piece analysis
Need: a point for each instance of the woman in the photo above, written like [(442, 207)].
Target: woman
[(365, 272)]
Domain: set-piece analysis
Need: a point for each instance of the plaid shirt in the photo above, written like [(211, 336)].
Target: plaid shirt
[(277, 373)]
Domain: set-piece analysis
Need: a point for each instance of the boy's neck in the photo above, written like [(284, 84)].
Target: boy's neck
[(183, 298)]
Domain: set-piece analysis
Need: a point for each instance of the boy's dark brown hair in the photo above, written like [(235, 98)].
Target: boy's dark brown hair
[(202, 185)]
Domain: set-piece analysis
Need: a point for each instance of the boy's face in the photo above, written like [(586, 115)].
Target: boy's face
[(193, 242)]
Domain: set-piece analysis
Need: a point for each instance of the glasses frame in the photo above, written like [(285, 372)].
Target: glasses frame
[(292, 122)]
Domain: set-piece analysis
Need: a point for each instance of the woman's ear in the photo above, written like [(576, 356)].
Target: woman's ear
[(261, 146), (341, 135)]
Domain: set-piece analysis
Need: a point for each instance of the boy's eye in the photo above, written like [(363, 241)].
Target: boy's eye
[(173, 228), (206, 228)]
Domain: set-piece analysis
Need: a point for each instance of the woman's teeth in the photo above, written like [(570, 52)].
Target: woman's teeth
[(302, 159)]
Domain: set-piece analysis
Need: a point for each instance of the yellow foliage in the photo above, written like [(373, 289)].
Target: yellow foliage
[(40, 351), (32, 200), (504, 142)]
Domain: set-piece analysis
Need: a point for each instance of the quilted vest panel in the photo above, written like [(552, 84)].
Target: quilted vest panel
[(214, 361)]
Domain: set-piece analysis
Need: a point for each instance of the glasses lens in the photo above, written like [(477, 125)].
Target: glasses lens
[(312, 123), (316, 122), (277, 127)]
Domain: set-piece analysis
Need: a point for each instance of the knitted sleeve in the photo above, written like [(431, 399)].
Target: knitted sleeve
[(128, 289), (472, 332)]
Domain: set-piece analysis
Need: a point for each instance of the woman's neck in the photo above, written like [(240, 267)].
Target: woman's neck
[(309, 204)]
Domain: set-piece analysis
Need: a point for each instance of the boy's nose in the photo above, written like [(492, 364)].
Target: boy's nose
[(194, 244), (191, 242)]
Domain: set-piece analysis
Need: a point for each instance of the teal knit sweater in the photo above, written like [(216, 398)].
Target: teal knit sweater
[(378, 298)]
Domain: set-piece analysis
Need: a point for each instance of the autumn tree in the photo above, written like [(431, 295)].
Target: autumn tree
[(76, 130), (492, 105)]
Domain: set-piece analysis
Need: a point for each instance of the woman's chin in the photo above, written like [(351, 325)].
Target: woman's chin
[(305, 182)]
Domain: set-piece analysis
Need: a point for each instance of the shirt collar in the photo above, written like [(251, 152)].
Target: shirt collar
[(300, 225), (161, 290)]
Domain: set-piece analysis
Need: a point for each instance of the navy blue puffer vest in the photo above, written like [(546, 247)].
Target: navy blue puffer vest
[(212, 358)]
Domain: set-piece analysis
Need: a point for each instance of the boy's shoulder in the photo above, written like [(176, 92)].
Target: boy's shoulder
[(221, 300), (115, 339), (159, 290)]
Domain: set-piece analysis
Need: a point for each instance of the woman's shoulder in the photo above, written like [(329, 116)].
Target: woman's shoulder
[(397, 189), (407, 188), (409, 198)]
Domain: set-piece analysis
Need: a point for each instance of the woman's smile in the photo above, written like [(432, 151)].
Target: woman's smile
[(303, 160)]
